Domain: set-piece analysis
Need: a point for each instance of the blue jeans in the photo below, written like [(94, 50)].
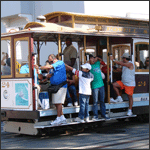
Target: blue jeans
[(84, 106), (71, 90), (99, 95)]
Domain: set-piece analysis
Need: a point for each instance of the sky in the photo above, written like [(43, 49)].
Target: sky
[(117, 8)]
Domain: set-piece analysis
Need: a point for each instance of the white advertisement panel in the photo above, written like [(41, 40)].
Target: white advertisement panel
[(16, 94)]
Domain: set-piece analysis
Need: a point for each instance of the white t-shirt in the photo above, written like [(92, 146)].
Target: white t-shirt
[(128, 76), (85, 79)]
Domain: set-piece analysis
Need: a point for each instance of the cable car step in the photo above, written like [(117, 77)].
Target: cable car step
[(121, 117), (47, 124)]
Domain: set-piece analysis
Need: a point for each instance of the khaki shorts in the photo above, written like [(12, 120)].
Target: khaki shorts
[(60, 96)]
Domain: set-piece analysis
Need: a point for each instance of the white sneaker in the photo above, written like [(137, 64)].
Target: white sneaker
[(119, 99), (75, 103), (79, 120), (69, 105), (57, 121), (129, 113), (112, 100), (63, 119), (95, 119), (87, 119)]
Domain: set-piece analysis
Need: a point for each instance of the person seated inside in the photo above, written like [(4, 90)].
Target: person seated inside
[(45, 73), (146, 64), (71, 89), (141, 65), (5, 67)]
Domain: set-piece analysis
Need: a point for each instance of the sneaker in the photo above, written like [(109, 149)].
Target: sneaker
[(79, 120), (57, 121), (112, 100), (106, 118), (95, 119), (119, 99), (87, 119), (129, 113), (63, 119), (75, 103), (69, 105)]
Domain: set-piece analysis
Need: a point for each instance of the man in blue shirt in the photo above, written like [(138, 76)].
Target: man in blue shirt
[(58, 77)]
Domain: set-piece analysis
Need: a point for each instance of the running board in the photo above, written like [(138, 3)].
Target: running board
[(46, 124)]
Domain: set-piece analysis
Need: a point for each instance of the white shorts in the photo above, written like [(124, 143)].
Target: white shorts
[(60, 96)]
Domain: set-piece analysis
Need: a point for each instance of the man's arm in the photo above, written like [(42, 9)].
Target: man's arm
[(73, 60), (68, 67), (44, 67), (129, 65)]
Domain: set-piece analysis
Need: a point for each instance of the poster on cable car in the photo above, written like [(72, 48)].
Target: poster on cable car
[(16, 94), (21, 94)]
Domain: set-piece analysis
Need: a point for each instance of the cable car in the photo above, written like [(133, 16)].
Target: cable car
[(96, 35)]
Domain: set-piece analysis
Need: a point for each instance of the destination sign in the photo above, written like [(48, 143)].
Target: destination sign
[(122, 29)]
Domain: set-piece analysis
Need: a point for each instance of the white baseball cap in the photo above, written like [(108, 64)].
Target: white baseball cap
[(87, 66), (125, 55)]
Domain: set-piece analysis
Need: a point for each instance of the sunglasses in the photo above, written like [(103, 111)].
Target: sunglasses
[(147, 60)]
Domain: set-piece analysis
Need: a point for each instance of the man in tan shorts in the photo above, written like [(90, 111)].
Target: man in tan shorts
[(58, 77)]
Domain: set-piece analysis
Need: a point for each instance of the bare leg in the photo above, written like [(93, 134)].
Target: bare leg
[(38, 92), (59, 109), (130, 101), (116, 87)]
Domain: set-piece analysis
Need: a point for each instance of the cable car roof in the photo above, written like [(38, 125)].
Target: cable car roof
[(44, 29), (57, 13)]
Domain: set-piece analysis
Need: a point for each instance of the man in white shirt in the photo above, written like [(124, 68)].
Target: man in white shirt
[(128, 80)]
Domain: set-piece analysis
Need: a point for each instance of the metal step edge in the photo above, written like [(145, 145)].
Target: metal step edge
[(90, 121)]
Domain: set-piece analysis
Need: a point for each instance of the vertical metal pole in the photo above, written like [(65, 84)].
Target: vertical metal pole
[(108, 86), (59, 46), (84, 48), (37, 100), (111, 71), (38, 51), (73, 22), (35, 79)]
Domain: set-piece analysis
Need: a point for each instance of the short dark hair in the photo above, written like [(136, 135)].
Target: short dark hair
[(99, 56), (128, 58), (90, 56), (69, 39), (47, 61)]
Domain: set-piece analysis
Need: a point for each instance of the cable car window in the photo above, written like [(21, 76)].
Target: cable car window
[(6, 70), (118, 51), (142, 56), (22, 58)]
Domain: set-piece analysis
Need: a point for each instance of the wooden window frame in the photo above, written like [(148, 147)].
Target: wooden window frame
[(8, 76), (27, 74), (139, 70)]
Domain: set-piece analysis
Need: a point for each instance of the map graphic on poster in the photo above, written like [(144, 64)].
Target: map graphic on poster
[(21, 94)]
